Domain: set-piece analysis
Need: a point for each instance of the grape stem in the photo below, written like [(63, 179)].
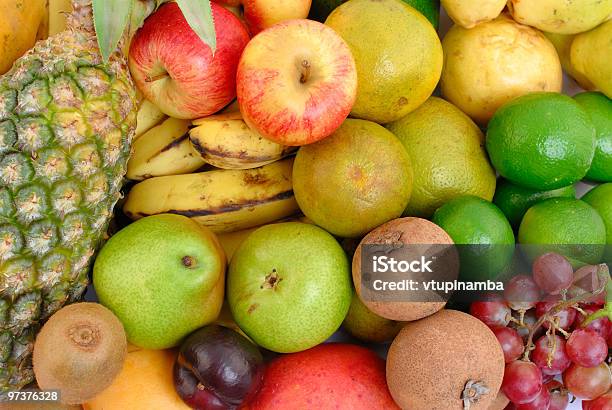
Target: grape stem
[(606, 311), (602, 272)]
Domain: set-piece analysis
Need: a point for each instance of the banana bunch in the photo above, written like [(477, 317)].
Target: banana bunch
[(222, 200), (163, 150), (225, 141)]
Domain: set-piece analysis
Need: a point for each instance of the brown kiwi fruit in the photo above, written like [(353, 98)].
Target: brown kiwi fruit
[(79, 351), (407, 231), (434, 361)]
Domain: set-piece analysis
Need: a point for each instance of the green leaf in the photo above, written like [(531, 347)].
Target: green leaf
[(198, 14), (110, 20)]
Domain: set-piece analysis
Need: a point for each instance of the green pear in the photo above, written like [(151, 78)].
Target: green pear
[(163, 277), (367, 326), (289, 286)]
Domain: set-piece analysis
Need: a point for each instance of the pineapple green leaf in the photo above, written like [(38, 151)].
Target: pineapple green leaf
[(110, 20), (198, 14)]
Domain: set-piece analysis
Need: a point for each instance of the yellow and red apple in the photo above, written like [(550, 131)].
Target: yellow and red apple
[(177, 71), (261, 14), (296, 82)]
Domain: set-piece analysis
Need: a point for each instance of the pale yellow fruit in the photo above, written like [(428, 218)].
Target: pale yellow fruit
[(494, 62), (468, 13), (145, 383), (590, 55), (561, 16), (563, 44), (149, 115), (22, 22), (58, 10)]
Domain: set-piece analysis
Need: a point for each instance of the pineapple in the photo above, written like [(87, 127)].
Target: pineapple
[(67, 119)]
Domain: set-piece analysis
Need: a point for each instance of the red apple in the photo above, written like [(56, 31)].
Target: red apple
[(296, 82), (261, 14), (177, 71), (328, 376)]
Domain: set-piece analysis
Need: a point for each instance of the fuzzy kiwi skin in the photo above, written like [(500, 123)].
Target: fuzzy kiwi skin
[(408, 231), (79, 351), (431, 360)]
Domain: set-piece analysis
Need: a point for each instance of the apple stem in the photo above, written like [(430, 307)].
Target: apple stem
[(305, 71), (150, 79)]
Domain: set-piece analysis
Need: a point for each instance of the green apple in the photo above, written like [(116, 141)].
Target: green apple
[(163, 277), (367, 326), (289, 286)]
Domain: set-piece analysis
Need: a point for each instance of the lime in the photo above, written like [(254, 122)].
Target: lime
[(448, 157), (600, 198), (397, 53), (515, 200), (599, 107), (565, 225), (541, 141), (320, 9), (470, 220)]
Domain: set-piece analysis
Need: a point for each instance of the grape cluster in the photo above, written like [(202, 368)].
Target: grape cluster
[(555, 331)]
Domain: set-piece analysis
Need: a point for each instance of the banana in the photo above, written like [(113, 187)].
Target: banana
[(225, 141), (148, 117), (222, 200), (163, 150)]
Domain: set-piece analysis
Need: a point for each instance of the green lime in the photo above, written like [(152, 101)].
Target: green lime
[(600, 198), (515, 200), (599, 107), (448, 157), (470, 220), (565, 225), (320, 9), (541, 141)]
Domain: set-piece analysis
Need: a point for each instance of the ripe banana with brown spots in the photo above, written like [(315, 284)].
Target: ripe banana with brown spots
[(222, 200), (225, 141), (163, 150)]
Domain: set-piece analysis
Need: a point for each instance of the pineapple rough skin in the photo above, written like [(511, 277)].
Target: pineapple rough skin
[(66, 124)]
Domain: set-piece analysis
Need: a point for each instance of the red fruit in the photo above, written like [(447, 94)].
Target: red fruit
[(511, 343), (552, 273), (522, 382), (559, 397), (544, 348), (586, 280), (564, 318), (522, 292), (602, 326), (327, 376), (586, 348), (603, 402), (529, 320), (587, 383), (492, 313), (541, 402), (177, 71)]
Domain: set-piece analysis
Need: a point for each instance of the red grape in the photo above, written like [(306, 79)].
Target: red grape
[(511, 343), (586, 348), (492, 313), (552, 273), (522, 292), (587, 383), (522, 382), (544, 347), (565, 318), (602, 326), (586, 280), (541, 402), (559, 397), (603, 402)]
